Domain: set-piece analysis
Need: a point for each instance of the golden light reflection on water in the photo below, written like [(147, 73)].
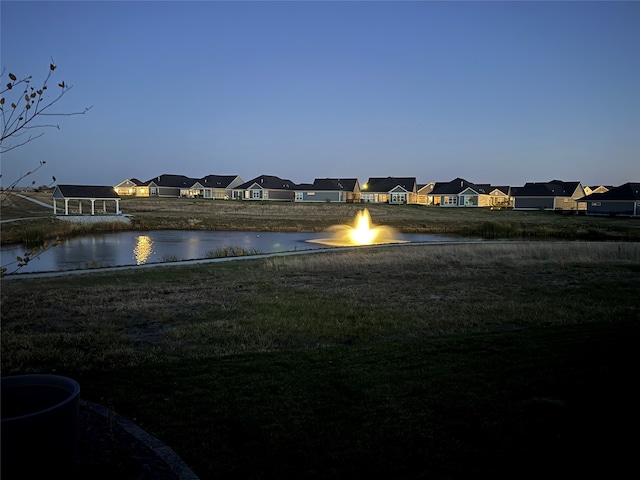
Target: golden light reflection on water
[(143, 249), (362, 232)]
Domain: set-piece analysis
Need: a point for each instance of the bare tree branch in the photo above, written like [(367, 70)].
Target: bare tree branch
[(21, 106), (30, 139)]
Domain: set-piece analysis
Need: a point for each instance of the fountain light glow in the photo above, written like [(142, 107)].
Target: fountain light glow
[(143, 249), (362, 232)]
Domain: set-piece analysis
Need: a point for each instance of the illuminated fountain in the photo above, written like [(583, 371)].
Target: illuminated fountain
[(362, 232)]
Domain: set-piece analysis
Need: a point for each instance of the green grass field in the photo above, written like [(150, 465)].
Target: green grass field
[(506, 360)]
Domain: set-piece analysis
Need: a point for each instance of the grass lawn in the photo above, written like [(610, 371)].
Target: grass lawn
[(508, 360), (199, 214)]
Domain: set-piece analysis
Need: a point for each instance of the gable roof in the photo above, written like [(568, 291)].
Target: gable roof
[(426, 188), (85, 191), (502, 188), (459, 185), (453, 187), (269, 182), (330, 184), (169, 180), (217, 181), (554, 188), (385, 185), (628, 191), (129, 181)]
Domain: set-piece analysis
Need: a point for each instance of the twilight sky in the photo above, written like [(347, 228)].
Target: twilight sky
[(493, 92)]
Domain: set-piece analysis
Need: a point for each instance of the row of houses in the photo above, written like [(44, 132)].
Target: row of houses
[(552, 195)]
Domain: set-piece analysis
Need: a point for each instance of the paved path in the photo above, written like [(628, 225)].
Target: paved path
[(42, 204), (33, 200), (88, 271), (23, 218)]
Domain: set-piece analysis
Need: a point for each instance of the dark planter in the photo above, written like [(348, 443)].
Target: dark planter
[(40, 417)]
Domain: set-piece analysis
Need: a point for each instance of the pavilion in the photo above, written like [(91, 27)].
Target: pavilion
[(83, 193)]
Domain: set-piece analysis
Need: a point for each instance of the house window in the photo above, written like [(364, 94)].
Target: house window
[(299, 196), (153, 191), (595, 204), (397, 198), (450, 200), (255, 194)]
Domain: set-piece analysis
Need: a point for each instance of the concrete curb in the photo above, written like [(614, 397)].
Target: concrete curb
[(166, 454)]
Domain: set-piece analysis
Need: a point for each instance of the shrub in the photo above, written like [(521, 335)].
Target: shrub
[(231, 252)]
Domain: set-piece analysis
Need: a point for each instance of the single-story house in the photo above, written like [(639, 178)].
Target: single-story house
[(393, 190), (623, 200), (81, 194), (132, 187), (553, 195), (456, 193), (461, 193), (214, 186), (329, 190), (168, 185), (265, 187)]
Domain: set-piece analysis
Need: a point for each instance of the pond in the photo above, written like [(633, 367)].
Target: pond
[(137, 248)]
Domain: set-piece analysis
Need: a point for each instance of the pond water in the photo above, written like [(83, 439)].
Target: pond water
[(137, 248)]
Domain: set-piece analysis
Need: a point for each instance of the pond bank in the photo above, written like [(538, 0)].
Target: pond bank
[(84, 219)]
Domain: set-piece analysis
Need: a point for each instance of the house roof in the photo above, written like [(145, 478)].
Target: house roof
[(628, 191), (554, 188), (487, 188), (130, 181), (454, 187), (85, 191), (217, 181), (503, 188), (169, 180), (269, 182), (330, 184), (459, 185), (385, 185)]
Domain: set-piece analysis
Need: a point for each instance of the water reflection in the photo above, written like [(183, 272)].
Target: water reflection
[(362, 232), (138, 248), (143, 249)]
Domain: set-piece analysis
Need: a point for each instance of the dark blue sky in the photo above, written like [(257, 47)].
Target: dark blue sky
[(494, 92)]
